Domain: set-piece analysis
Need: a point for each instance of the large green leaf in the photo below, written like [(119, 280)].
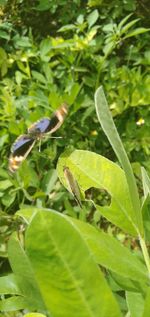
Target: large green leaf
[(110, 130), (24, 275), (70, 281), (111, 254), (34, 315), (107, 251), (93, 170), (146, 312)]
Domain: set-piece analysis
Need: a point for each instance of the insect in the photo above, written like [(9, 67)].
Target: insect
[(73, 185), (24, 143)]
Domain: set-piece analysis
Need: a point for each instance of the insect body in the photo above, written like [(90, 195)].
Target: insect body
[(73, 185), (24, 143)]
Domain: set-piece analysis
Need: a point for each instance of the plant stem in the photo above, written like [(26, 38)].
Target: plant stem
[(145, 253)]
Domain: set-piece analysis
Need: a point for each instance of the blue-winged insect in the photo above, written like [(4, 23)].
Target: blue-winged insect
[(24, 143), (72, 185)]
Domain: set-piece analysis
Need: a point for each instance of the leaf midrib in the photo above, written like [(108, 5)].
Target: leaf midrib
[(83, 298), (121, 206)]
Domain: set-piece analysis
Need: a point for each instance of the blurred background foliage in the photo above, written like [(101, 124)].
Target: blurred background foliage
[(56, 51)]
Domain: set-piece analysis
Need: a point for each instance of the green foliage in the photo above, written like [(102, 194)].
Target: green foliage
[(51, 52), (34, 315), (37, 76), (43, 260), (60, 265), (102, 175), (112, 134)]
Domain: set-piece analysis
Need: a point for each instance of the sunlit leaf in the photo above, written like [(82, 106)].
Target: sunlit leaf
[(136, 32), (24, 275), (110, 130), (147, 305), (92, 18), (135, 303), (93, 170), (12, 304), (67, 288), (111, 254), (8, 285)]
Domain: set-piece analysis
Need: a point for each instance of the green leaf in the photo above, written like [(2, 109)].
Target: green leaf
[(28, 177), (3, 56), (4, 68), (27, 213), (39, 77), (145, 181), (92, 18), (45, 47), (4, 35), (49, 181), (22, 41), (73, 93), (123, 21), (128, 26), (108, 48), (111, 254), (127, 284), (146, 216), (66, 28), (135, 302), (8, 285), (93, 170), (34, 315), (3, 173), (136, 32), (5, 184), (8, 198), (24, 275), (3, 140), (147, 304), (69, 279), (110, 130), (12, 304), (43, 5)]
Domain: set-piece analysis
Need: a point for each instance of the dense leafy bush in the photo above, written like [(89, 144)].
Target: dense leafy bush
[(50, 53), (55, 269)]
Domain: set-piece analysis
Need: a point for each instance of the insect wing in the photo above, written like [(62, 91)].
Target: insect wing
[(46, 125), (24, 143), (73, 185), (57, 118), (39, 127), (19, 151)]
